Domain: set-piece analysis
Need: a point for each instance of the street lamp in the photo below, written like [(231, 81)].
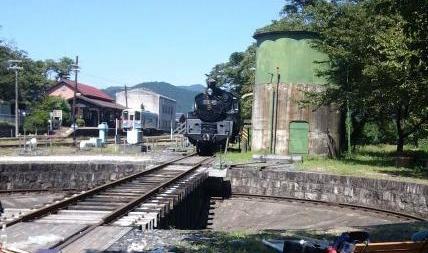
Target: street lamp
[(13, 65)]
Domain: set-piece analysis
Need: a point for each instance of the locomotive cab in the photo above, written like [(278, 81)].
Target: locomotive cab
[(213, 121)]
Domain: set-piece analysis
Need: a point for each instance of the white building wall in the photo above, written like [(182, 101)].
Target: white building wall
[(167, 113), (153, 102)]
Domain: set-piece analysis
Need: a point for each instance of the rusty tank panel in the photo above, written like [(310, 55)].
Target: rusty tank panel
[(260, 118), (324, 122)]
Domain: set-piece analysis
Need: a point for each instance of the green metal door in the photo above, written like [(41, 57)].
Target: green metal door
[(298, 143)]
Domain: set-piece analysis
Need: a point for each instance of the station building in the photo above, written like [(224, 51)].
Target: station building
[(92, 105), (163, 106), (286, 67)]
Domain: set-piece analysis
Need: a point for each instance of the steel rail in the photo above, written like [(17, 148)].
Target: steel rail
[(326, 203), (61, 204), (122, 210), (37, 190)]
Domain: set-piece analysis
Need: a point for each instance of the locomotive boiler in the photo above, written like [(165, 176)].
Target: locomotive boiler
[(214, 121)]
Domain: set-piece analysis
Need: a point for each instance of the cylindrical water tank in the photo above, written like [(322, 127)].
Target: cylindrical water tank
[(286, 66)]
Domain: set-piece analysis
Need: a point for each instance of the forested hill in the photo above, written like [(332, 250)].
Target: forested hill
[(184, 95), (194, 87)]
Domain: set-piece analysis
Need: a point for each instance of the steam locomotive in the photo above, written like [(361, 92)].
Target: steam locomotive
[(214, 121)]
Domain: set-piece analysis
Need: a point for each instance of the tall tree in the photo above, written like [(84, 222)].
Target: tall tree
[(34, 79)]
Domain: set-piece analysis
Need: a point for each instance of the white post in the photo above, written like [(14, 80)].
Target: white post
[(171, 130), (115, 135)]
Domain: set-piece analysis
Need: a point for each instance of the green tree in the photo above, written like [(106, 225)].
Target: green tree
[(34, 79), (37, 120), (58, 69)]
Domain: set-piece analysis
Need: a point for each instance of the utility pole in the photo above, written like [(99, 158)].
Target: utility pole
[(126, 96), (272, 116), (75, 68), (14, 66)]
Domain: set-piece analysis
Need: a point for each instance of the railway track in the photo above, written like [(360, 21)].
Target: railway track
[(5, 192), (122, 202), (67, 141), (340, 205)]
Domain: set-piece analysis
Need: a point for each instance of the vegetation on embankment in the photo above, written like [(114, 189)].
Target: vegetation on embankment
[(374, 161)]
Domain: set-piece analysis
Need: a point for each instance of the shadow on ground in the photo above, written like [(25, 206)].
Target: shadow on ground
[(211, 241)]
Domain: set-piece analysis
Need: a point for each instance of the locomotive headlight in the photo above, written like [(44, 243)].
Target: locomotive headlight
[(209, 91)]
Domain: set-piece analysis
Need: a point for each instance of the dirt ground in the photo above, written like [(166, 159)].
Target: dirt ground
[(295, 218)]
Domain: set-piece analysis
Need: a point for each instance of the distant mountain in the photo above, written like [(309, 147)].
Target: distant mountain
[(184, 95), (194, 87)]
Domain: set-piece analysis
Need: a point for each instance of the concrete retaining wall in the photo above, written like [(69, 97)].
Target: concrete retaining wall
[(62, 175), (391, 195)]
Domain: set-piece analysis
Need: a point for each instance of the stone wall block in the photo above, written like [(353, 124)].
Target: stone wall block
[(391, 195), (60, 175)]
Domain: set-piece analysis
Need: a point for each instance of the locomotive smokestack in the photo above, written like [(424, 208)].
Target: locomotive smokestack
[(211, 83)]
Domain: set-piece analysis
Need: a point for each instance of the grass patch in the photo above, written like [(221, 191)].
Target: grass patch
[(372, 161), (234, 157)]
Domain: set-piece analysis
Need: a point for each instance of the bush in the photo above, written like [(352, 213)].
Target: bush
[(80, 122), (377, 133), (423, 144)]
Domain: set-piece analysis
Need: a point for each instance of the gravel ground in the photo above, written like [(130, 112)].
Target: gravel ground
[(240, 224), (150, 241), (179, 241), (260, 214), (20, 203)]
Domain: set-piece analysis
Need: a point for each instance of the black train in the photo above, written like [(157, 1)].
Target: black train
[(214, 119)]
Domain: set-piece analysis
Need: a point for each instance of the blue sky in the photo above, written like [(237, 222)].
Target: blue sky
[(128, 42)]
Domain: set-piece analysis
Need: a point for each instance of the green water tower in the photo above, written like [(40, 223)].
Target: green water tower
[(287, 65)]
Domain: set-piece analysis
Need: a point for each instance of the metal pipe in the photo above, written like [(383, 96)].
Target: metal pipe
[(276, 110), (271, 117), (272, 121)]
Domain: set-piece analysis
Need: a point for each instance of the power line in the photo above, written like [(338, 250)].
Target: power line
[(110, 81)]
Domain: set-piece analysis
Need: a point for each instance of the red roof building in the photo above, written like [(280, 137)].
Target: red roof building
[(92, 105)]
